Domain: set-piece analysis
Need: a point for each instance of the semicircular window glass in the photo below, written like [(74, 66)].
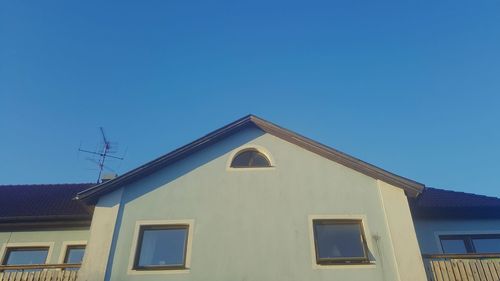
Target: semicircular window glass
[(250, 158)]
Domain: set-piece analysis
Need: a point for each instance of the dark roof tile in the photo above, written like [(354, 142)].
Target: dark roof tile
[(42, 202), (434, 202)]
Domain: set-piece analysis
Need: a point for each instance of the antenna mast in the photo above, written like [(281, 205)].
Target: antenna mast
[(103, 153)]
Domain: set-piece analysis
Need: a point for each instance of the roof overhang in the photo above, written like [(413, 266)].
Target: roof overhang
[(411, 188), (44, 222), (458, 213)]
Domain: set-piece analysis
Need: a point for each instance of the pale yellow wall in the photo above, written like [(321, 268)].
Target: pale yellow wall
[(55, 239), (402, 232), (254, 224), (102, 229)]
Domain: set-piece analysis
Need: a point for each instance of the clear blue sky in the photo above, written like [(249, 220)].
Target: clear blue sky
[(410, 86)]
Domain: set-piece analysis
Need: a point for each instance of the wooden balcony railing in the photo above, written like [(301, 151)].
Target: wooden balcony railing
[(39, 272), (464, 267)]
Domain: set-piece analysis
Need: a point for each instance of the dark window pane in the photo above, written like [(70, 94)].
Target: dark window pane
[(163, 247), (453, 246), (259, 161), (74, 254), (487, 245), (250, 158), (337, 240), (242, 159), (19, 256)]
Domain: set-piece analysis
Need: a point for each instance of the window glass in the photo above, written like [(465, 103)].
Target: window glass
[(162, 246), (250, 158), (74, 254), (23, 256), (487, 245), (242, 159), (339, 240), (259, 160), (470, 243), (453, 246)]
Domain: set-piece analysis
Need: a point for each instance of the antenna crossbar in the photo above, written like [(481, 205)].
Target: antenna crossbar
[(104, 153)]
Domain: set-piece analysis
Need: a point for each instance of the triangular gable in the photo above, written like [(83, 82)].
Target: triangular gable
[(412, 188)]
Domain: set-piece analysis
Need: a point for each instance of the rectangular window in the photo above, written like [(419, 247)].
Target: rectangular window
[(339, 241), (161, 247), (74, 254), (454, 246), (25, 255), (486, 244), (470, 243)]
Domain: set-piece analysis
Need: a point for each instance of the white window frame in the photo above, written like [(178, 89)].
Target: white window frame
[(6, 246), (135, 243), (312, 246)]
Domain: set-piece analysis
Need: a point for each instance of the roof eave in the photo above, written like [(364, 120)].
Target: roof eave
[(458, 213), (45, 218), (46, 223)]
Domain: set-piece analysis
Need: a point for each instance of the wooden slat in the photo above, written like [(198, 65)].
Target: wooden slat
[(494, 273), (435, 275), (456, 272), (40, 266), (43, 275), (492, 269), (462, 269), (437, 270), (62, 276), (480, 270), (444, 271), (468, 270), (449, 270), (461, 256), (475, 271), (31, 275), (20, 276), (431, 275), (496, 264), (486, 269)]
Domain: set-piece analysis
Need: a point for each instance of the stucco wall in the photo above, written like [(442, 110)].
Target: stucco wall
[(54, 238), (428, 230), (254, 224), (402, 233), (98, 253)]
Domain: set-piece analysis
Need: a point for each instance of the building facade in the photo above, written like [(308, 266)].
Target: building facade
[(250, 201)]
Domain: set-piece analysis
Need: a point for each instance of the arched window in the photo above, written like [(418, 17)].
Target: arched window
[(250, 158)]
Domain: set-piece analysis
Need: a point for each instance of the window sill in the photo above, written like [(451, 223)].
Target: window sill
[(157, 271), (162, 267), (247, 169), (354, 265)]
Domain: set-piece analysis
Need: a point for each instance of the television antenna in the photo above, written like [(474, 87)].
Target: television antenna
[(105, 151)]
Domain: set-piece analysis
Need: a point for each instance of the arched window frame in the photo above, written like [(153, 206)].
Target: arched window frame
[(258, 148)]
